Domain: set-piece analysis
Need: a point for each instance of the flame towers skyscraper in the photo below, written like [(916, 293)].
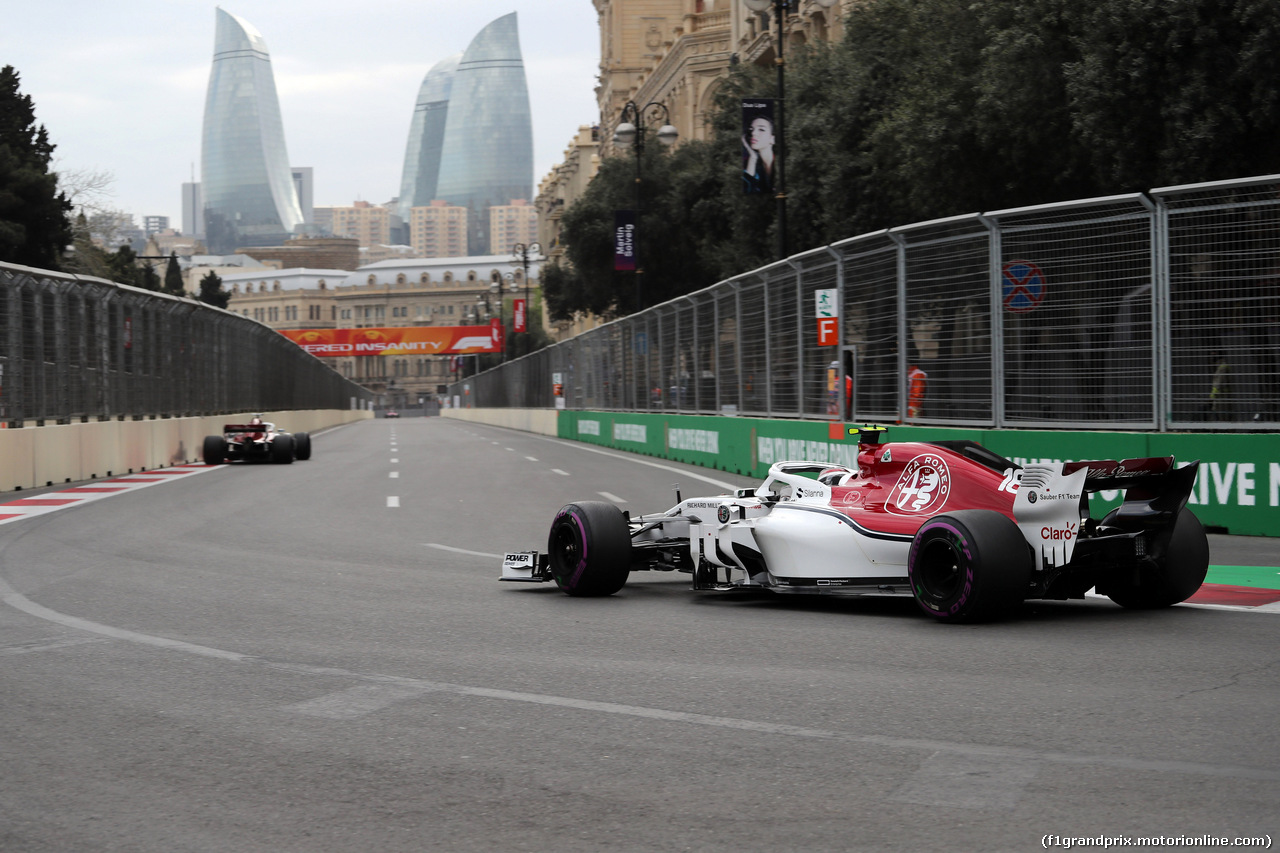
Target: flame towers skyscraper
[(248, 186), (426, 137), (479, 106)]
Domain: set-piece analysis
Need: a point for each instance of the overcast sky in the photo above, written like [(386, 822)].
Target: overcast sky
[(121, 87)]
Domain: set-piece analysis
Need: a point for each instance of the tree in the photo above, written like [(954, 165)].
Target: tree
[(86, 189), (173, 282), (935, 108), (122, 266), (677, 189), (1177, 91), (34, 217), (85, 256), (148, 278), (211, 291)]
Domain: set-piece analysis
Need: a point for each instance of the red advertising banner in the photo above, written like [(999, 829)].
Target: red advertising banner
[(408, 340), (518, 324)]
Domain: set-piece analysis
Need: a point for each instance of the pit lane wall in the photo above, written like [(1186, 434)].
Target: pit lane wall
[(35, 457), (1237, 491)]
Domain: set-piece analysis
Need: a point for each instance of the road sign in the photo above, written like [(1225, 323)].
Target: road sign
[(1024, 286), (825, 303), (828, 331)]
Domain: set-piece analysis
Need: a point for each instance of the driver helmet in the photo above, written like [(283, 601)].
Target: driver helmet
[(835, 476)]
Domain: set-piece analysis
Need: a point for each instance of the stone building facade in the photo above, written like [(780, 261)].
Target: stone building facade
[(341, 253), (677, 53), (396, 293), (438, 230)]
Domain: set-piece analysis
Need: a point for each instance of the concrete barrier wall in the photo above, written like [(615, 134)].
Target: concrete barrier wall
[(36, 457), (541, 421)]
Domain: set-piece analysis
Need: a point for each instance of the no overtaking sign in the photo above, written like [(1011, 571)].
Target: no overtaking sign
[(1024, 286)]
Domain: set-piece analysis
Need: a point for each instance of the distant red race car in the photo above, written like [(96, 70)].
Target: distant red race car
[(964, 531), (257, 440)]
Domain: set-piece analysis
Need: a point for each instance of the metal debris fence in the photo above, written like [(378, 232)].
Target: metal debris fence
[(1148, 311), (75, 349)]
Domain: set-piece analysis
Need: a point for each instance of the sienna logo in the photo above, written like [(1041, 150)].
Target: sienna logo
[(923, 487)]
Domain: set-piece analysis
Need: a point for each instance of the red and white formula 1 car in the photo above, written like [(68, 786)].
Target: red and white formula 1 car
[(966, 532), (257, 440)]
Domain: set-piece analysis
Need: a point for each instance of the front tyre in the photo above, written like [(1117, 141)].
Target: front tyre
[(215, 450), (969, 566), (1180, 573), (302, 446), (589, 549)]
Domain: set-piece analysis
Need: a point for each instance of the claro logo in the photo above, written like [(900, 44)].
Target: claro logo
[(1059, 534)]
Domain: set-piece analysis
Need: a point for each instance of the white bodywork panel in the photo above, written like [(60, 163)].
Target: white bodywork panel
[(797, 543), (1047, 509), (798, 537)]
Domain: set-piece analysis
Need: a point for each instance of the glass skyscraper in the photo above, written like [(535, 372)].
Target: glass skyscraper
[(248, 187), (486, 156), (426, 137)]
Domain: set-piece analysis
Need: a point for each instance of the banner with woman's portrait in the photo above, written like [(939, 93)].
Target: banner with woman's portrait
[(758, 145)]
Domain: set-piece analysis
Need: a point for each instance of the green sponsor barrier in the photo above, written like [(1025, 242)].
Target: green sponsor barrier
[(1237, 490)]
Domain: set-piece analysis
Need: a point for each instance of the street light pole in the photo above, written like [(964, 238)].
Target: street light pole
[(631, 133), (780, 11), (522, 251), (496, 286)]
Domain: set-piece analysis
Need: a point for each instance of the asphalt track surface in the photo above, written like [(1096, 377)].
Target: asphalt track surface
[(319, 657)]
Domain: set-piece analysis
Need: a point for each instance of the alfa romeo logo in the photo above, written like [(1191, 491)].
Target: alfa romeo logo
[(923, 487), (723, 514)]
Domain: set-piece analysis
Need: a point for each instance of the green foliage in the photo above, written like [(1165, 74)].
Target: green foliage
[(86, 257), (148, 278), (34, 217), (173, 282), (934, 108), (1176, 91), (518, 344), (685, 231), (212, 292), (122, 267)]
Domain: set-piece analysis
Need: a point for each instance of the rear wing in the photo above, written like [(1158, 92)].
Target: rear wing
[(1112, 474), (247, 427), (1051, 499)]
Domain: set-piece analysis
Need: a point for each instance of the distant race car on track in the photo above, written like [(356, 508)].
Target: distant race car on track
[(967, 533), (256, 440)]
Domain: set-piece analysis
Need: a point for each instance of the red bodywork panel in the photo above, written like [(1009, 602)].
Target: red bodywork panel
[(239, 433), (902, 485)]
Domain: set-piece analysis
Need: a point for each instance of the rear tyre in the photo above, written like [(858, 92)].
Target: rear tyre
[(302, 445), (282, 449), (969, 566), (215, 450), (1180, 573), (589, 549)]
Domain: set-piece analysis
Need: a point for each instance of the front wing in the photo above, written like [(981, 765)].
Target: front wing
[(526, 567)]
